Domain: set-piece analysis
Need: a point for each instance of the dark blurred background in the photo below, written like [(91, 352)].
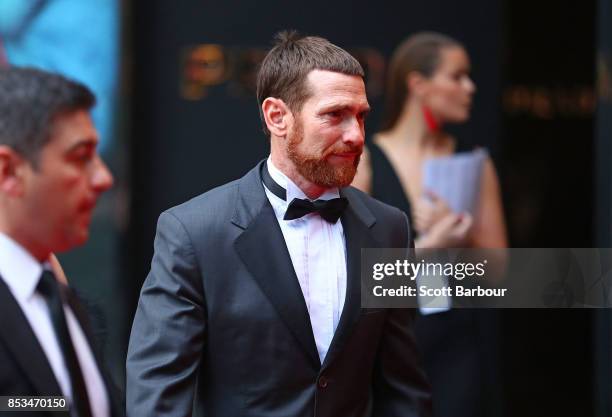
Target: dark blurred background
[(183, 119)]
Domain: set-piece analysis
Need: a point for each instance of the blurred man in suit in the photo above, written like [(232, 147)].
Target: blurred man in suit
[(254, 287), (50, 179)]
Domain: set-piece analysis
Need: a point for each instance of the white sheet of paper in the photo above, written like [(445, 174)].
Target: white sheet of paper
[(456, 179)]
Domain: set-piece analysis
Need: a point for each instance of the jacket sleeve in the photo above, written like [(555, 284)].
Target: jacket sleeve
[(168, 332), (400, 388)]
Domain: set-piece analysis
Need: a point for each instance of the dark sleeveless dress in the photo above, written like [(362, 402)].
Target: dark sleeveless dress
[(457, 346)]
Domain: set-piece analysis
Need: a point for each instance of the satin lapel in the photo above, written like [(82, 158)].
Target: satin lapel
[(17, 335), (262, 248), (356, 223)]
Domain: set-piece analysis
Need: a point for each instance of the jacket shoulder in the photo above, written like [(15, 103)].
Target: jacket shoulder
[(377, 207), (216, 200)]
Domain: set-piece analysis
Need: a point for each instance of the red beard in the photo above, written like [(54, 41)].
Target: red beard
[(316, 168)]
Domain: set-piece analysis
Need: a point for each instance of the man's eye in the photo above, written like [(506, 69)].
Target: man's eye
[(334, 114), (82, 156)]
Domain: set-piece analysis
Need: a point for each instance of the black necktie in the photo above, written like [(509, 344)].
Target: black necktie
[(49, 289), (329, 210)]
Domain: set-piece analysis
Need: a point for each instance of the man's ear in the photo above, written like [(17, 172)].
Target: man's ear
[(277, 115), (11, 169)]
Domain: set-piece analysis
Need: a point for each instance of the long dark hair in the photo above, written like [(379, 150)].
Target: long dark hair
[(419, 52)]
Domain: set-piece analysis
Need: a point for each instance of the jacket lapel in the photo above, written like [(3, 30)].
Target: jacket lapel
[(356, 223), (272, 269), (20, 340), (82, 317)]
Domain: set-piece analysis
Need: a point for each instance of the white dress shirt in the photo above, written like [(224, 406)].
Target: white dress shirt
[(22, 272), (318, 254)]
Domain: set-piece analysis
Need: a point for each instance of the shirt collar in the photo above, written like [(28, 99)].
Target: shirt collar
[(18, 268), (293, 191)]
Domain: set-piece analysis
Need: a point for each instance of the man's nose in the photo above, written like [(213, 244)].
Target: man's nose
[(355, 133), (102, 178)]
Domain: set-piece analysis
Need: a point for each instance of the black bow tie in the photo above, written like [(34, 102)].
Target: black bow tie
[(329, 210)]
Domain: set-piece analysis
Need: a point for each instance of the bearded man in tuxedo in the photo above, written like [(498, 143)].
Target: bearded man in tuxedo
[(254, 288)]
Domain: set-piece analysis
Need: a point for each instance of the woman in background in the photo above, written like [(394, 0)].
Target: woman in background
[(428, 86)]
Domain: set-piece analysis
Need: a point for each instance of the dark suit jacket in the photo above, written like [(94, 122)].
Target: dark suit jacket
[(222, 305), (24, 368)]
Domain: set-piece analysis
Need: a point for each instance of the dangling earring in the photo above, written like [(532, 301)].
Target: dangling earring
[(430, 121)]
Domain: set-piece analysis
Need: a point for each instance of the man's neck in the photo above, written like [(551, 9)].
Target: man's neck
[(311, 190), (38, 252)]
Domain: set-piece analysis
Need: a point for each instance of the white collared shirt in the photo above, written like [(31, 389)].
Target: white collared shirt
[(22, 272), (318, 253)]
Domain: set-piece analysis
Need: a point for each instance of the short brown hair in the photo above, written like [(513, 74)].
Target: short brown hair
[(284, 70), (418, 53)]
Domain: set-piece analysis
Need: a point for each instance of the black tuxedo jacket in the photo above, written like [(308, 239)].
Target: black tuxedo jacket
[(24, 368), (222, 305)]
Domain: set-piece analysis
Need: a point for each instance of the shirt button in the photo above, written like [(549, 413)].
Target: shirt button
[(323, 382)]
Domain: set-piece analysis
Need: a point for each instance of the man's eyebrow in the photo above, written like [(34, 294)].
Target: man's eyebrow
[(342, 106), (86, 142)]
